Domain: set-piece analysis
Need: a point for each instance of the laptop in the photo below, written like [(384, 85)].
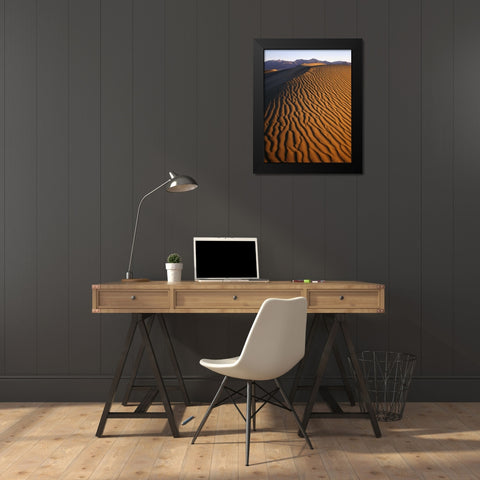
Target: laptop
[(226, 259)]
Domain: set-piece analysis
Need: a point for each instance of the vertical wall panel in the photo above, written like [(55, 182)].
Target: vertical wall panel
[(149, 168), (2, 189), (212, 117), (405, 178), (84, 184), (340, 190), (244, 187), (20, 186), (309, 18), (52, 187), (372, 215), (310, 192), (212, 90), (181, 155), (466, 176), (276, 239), (116, 164), (437, 186), (148, 135), (181, 129), (309, 213)]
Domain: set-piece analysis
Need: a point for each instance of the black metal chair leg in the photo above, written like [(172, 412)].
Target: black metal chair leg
[(254, 408), (290, 406), (210, 408), (248, 421)]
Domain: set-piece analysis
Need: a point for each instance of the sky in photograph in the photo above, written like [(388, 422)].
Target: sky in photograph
[(291, 55)]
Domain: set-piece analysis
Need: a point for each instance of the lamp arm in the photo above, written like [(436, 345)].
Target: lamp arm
[(136, 223)]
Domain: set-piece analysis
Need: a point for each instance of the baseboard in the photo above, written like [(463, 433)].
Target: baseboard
[(201, 389)]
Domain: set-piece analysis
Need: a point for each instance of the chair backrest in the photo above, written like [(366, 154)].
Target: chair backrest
[(276, 341)]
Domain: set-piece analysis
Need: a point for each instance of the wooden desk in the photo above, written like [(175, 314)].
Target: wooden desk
[(149, 298)]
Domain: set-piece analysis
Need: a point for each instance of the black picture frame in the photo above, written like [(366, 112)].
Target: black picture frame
[(326, 147)]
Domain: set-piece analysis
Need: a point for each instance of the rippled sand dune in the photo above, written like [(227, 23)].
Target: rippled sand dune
[(308, 115)]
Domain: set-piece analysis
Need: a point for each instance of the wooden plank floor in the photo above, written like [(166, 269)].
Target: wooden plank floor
[(57, 442)]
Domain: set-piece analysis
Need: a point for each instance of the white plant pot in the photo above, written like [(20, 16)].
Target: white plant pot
[(174, 272)]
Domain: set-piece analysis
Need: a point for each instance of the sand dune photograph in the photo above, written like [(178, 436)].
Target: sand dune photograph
[(308, 106)]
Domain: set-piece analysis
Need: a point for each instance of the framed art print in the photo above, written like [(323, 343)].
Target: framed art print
[(307, 106)]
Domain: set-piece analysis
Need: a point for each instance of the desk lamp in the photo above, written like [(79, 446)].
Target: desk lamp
[(176, 183)]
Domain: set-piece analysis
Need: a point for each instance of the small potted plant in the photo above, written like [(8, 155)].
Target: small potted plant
[(174, 268)]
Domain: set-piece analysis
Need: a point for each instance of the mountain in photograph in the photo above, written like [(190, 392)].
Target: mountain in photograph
[(275, 65)]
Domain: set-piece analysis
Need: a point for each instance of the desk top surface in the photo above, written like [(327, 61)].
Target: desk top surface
[(157, 284)]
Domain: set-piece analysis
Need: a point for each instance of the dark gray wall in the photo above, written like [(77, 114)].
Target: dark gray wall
[(99, 99)]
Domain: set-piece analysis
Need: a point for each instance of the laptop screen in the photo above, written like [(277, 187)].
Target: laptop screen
[(225, 258)]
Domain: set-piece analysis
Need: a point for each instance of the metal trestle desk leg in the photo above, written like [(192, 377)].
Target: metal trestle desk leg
[(323, 390), (336, 411), (139, 323), (150, 318)]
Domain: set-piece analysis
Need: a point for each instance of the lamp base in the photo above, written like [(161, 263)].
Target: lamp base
[(135, 280)]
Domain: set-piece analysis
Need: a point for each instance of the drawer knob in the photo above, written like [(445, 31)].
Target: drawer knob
[(235, 297), (341, 297), (133, 297)]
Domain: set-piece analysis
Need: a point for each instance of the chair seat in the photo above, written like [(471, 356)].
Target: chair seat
[(220, 363), (231, 367)]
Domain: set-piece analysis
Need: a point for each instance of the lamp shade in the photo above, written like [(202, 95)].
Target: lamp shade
[(181, 183)]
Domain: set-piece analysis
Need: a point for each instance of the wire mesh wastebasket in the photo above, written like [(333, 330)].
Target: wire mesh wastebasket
[(387, 376)]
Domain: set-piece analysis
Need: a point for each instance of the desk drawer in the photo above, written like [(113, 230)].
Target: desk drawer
[(132, 299), (339, 299), (225, 299)]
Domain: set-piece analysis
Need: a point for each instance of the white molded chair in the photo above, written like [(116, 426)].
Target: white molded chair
[(275, 344)]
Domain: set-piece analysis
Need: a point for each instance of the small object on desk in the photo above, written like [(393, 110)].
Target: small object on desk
[(188, 420), (308, 281)]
